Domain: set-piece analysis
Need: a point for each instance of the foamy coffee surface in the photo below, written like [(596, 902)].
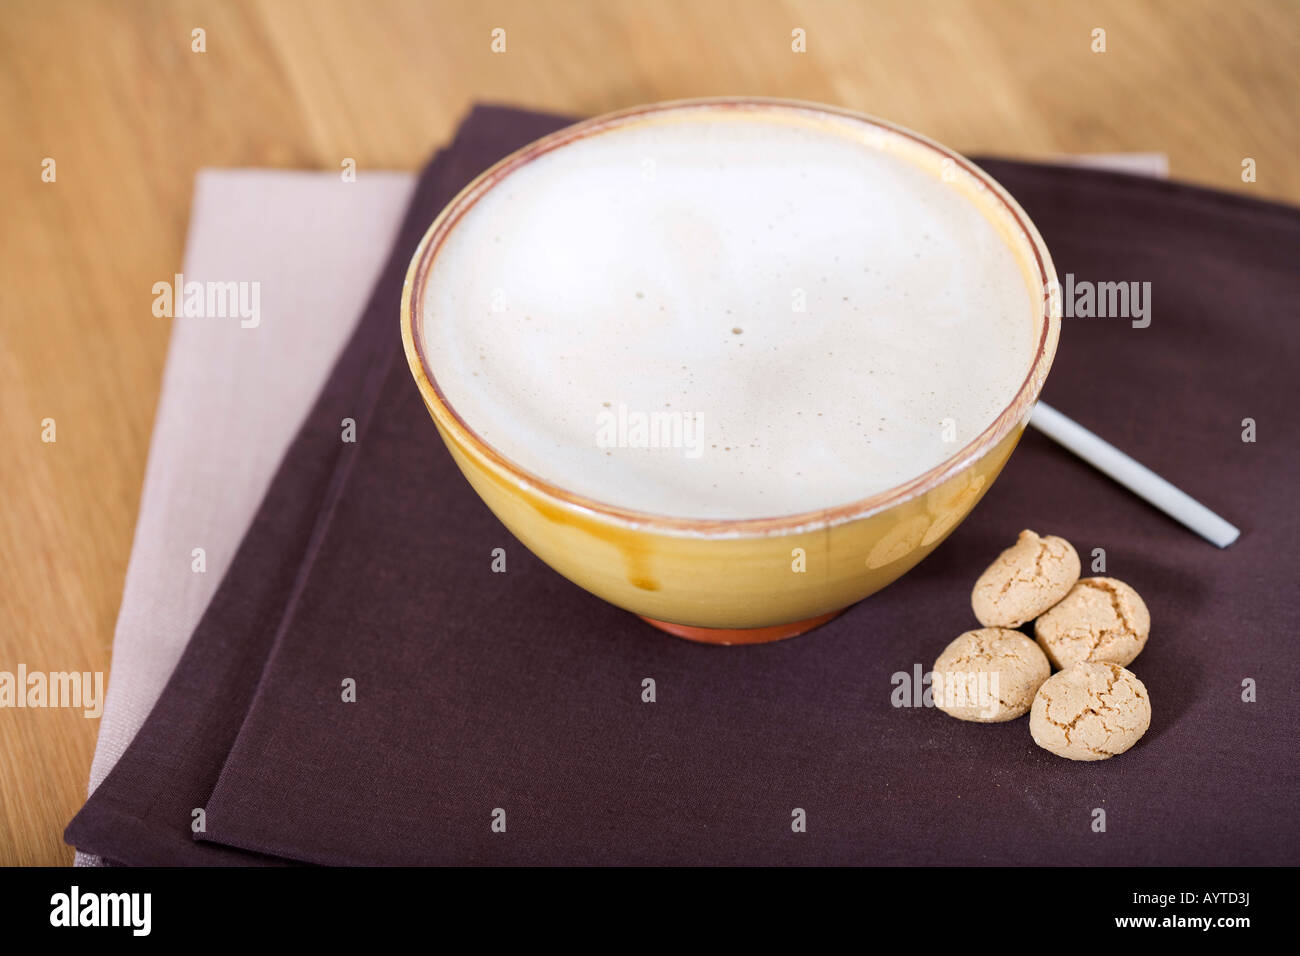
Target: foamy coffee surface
[(733, 315)]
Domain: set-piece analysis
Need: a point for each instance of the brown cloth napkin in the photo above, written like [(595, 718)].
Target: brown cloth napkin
[(480, 693)]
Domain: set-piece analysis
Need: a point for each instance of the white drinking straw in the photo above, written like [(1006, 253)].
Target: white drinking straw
[(1136, 477)]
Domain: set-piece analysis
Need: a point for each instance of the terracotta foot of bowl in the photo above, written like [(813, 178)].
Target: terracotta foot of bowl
[(743, 635)]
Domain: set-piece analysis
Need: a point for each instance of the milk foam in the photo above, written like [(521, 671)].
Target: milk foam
[(834, 318)]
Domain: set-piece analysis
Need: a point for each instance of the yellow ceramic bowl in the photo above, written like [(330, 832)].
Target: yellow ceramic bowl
[(742, 581)]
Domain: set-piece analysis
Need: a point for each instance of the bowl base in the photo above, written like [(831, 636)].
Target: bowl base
[(743, 635)]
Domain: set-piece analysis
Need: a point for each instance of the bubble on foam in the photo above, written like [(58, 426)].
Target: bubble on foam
[(585, 286)]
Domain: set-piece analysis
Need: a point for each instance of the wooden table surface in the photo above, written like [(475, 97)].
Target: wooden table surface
[(113, 93)]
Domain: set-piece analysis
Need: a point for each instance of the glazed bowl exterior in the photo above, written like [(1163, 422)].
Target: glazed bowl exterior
[(751, 573)]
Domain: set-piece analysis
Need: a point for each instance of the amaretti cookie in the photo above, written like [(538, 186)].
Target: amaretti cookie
[(1090, 711), (1025, 580), (988, 675), (1101, 619)]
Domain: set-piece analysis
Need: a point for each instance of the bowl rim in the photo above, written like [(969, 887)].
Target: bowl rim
[(1015, 414)]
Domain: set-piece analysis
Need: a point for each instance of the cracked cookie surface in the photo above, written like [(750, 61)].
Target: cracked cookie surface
[(1101, 619), (1090, 711), (988, 675), (1025, 580)]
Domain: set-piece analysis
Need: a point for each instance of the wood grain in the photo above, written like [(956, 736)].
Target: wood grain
[(114, 94)]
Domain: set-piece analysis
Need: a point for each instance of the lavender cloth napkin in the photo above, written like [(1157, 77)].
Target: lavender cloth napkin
[(478, 692), (233, 397)]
